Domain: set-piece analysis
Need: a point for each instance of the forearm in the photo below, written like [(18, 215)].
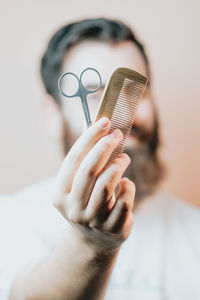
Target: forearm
[(70, 272), (85, 196)]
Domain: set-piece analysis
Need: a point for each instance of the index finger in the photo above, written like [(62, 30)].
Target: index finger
[(77, 153)]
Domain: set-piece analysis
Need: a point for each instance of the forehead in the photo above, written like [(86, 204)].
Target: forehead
[(105, 57)]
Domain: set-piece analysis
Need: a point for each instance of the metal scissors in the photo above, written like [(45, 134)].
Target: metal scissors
[(81, 92)]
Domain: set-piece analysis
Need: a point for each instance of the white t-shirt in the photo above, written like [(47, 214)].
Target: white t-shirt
[(159, 260)]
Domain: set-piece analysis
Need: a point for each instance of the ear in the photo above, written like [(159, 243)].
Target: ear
[(52, 116)]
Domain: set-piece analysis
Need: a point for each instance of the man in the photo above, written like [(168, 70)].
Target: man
[(84, 246)]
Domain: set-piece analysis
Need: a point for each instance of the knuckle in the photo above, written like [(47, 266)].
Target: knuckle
[(57, 201), (97, 130), (107, 191), (93, 132), (107, 226), (88, 171), (124, 235), (119, 164), (116, 168), (130, 187), (76, 217), (106, 142), (125, 207), (94, 224), (73, 216), (91, 172)]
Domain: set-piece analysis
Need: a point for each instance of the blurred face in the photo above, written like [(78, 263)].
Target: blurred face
[(105, 57), (145, 169)]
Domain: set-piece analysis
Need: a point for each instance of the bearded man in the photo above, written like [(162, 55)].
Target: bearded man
[(85, 245)]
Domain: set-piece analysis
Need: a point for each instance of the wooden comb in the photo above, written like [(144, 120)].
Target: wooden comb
[(120, 99)]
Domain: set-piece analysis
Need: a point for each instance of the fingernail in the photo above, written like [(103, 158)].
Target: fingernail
[(116, 133), (103, 122), (126, 156)]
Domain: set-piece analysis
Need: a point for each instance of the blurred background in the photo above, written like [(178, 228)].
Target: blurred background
[(170, 32)]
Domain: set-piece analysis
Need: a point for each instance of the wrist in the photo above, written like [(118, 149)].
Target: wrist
[(77, 242)]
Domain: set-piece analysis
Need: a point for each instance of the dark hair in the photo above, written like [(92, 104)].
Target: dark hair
[(100, 29)]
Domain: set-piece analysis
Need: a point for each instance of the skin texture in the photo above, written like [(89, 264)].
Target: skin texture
[(87, 207), (98, 219), (146, 169)]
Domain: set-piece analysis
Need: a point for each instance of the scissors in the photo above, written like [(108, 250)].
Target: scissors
[(81, 92)]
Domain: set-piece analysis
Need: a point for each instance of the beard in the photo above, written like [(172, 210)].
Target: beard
[(146, 169)]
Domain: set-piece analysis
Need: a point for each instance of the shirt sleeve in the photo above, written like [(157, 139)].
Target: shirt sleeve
[(20, 246)]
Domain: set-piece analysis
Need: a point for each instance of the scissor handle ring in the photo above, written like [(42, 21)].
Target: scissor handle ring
[(100, 81), (60, 88)]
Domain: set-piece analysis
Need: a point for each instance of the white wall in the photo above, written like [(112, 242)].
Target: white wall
[(170, 30)]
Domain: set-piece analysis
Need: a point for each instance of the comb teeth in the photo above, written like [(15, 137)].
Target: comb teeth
[(124, 112), (120, 100)]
